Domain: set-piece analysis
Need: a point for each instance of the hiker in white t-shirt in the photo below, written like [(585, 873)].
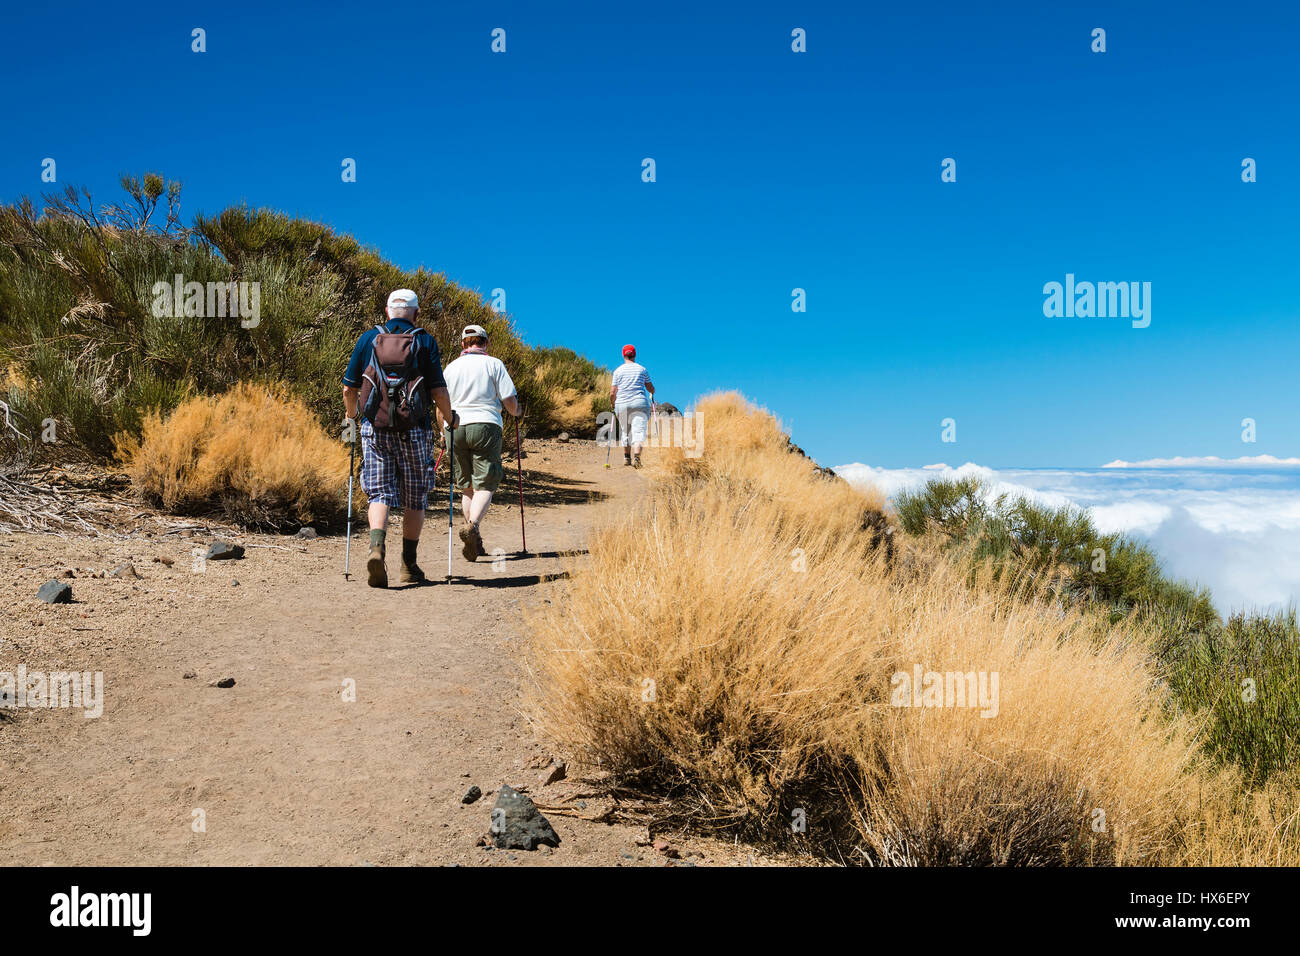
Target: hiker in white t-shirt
[(480, 387), (630, 390)]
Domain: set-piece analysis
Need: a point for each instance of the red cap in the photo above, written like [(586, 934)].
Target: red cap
[(629, 351)]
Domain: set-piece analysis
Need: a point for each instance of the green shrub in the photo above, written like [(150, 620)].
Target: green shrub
[(78, 326), (1244, 677), (955, 506), (1020, 536), (559, 367)]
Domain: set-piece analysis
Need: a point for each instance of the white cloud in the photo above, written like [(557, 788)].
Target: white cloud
[(1141, 517), (1207, 461), (1235, 530)]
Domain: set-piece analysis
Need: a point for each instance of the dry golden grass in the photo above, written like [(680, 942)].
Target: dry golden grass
[(574, 410), (745, 446), (573, 390), (254, 455), (731, 648), (1234, 826)]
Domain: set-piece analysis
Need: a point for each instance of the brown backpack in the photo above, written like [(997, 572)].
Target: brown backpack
[(393, 396)]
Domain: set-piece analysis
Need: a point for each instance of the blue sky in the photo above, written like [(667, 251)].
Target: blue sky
[(775, 170)]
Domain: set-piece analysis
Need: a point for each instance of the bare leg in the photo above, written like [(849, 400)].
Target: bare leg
[(479, 506)]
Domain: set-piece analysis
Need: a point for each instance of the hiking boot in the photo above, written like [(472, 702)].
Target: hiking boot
[(636, 461), (627, 460), (473, 543), (411, 574), (376, 568)]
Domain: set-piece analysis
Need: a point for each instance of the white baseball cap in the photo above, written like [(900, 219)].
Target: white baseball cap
[(471, 330), (403, 299)]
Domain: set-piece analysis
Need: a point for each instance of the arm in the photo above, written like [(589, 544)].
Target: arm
[(437, 384), (650, 386), (352, 374), (506, 394), (442, 399)]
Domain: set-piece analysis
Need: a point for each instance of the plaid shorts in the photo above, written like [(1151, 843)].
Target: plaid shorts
[(395, 466)]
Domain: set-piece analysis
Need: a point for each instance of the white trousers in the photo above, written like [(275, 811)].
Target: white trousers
[(632, 420)]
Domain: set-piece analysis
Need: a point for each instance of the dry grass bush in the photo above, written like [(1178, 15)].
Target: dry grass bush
[(574, 410), (1078, 732), (696, 660), (1234, 825), (255, 455), (747, 446)]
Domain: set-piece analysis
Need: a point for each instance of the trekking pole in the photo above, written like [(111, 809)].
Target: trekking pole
[(608, 442), (609, 436), (519, 462), (451, 489), (352, 467)]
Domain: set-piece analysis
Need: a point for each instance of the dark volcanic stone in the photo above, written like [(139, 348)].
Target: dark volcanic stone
[(55, 592), (517, 824), (224, 551)]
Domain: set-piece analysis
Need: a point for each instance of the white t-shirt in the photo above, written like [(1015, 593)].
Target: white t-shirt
[(630, 379), (478, 384)]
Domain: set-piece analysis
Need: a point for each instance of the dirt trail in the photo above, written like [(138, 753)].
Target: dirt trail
[(284, 770)]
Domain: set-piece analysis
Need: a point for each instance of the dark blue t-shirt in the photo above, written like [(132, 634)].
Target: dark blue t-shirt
[(430, 360)]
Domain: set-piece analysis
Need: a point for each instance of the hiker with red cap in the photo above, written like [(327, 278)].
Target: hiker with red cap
[(630, 391)]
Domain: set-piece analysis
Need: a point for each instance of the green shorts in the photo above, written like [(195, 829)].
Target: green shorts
[(478, 454)]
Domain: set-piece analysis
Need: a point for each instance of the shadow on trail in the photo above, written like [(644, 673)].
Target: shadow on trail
[(542, 490), (517, 581), (524, 556)]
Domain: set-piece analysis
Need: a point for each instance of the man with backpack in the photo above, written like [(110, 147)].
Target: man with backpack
[(392, 379), (480, 388)]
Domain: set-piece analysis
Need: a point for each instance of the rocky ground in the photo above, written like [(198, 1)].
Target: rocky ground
[(263, 710)]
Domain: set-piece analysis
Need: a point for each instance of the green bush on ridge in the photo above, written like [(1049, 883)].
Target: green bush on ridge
[(1244, 676), (80, 343), (1019, 536)]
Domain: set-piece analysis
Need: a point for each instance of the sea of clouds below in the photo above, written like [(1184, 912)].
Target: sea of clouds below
[(1232, 526)]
